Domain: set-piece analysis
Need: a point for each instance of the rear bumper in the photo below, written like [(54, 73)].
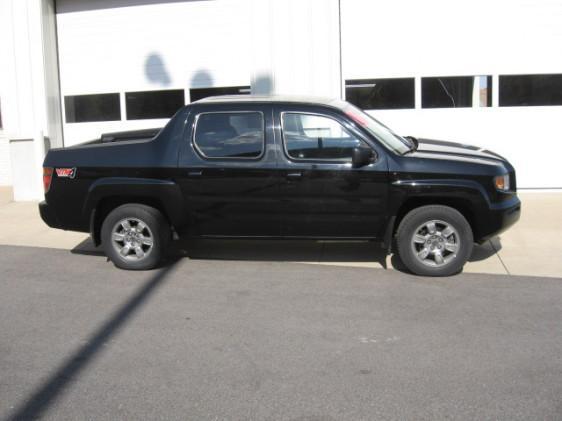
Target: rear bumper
[(500, 218), (47, 215)]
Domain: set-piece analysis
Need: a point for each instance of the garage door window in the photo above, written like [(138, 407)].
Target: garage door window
[(228, 135), (381, 94), (153, 104), (200, 93), (317, 137), (88, 108), (456, 91), (530, 90)]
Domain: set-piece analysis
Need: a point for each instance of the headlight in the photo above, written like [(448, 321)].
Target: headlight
[(502, 182)]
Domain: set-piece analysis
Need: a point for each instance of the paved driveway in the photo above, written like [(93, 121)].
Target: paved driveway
[(246, 340)]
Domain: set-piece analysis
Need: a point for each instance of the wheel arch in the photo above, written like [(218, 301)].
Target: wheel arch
[(109, 193), (466, 196), (464, 206)]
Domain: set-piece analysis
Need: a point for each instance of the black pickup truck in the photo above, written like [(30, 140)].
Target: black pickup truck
[(280, 167)]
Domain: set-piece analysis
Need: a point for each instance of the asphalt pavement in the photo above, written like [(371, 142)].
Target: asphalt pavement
[(213, 339)]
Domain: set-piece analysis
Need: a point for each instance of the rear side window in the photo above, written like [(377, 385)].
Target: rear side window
[(317, 137), (224, 135)]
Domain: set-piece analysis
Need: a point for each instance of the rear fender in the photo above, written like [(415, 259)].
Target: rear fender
[(164, 192)]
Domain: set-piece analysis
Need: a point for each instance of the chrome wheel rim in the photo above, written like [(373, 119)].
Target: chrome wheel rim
[(132, 239), (435, 243)]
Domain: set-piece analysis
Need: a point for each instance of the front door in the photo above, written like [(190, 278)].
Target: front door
[(322, 195), (228, 175)]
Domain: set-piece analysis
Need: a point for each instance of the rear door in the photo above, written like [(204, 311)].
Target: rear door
[(322, 195), (228, 171)]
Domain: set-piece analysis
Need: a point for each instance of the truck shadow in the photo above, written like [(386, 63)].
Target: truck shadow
[(352, 253), (51, 388)]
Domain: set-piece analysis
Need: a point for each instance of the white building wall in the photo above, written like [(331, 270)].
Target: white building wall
[(5, 163), (283, 46), (409, 38), (6, 90), (296, 47), (29, 91)]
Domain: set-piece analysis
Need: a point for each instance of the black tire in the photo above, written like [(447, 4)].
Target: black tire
[(446, 254), (152, 234)]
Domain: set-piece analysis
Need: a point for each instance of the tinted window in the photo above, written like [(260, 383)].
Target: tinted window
[(230, 135), (309, 136), (200, 93), (85, 108), (528, 90), (153, 104), (447, 92), (381, 94)]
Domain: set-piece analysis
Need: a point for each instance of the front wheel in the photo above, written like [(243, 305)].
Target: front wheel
[(434, 240), (135, 236)]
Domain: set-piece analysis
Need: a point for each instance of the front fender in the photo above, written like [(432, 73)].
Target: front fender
[(462, 189), (468, 194)]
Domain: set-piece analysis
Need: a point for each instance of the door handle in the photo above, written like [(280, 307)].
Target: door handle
[(293, 175), (195, 173)]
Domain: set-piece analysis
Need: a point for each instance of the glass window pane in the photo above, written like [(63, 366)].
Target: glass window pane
[(153, 104), (530, 90), (86, 108), (484, 90), (447, 92), (381, 94), (200, 93), (308, 136), (230, 135)]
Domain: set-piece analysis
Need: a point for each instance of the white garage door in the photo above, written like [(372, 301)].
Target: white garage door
[(127, 64), (462, 71)]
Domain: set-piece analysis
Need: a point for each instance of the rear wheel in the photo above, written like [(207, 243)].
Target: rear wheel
[(434, 240), (135, 236)]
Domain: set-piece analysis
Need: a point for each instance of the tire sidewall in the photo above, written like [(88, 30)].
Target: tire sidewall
[(419, 216), (157, 225)]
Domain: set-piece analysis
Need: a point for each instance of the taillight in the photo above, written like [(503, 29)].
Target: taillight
[(47, 177)]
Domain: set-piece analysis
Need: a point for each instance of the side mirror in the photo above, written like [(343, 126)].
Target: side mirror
[(362, 156)]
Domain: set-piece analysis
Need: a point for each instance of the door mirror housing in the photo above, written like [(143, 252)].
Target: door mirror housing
[(362, 156)]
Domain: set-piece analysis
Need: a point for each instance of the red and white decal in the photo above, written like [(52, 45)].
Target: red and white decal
[(66, 172)]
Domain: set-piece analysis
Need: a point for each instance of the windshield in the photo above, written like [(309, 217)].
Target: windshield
[(386, 136)]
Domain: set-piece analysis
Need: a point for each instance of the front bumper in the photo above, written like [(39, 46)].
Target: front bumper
[(47, 215), (499, 219)]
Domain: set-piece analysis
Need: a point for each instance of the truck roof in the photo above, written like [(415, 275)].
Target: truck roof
[(300, 99)]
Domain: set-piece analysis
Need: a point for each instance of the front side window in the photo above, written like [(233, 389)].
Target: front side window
[(311, 136), (229, 135)]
